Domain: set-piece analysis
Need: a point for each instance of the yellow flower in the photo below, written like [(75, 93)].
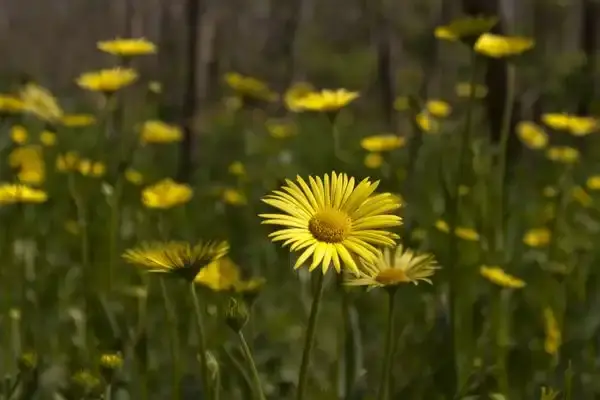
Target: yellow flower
[(30, 164), (325, 100), (86, 381), (179, 258), (160, 132), (219, 275), (237, 168), (67, 162), (532, 135), (464, 89), (155, 87), (78, 120), (438, 108), (166, 194), (134, 176), (393, 269), (48, 138), (426, 123), (18, 134), (465, 28), (234, 197), (10, 104), (553, 339), (401, 103), (373, 160), (537, 237), (296, 92), (18, 193), (107, 80), (332, 219), (563, 154), (111, 361), (498, 46), (558, 121), (581, 196), (442, 226), (280, 129), (593, 182), (127, 47), (499, 277), (575, 125), (249, 286), (250, 88), (386, 142), (466, 233), (550, 191), (40, 102), (94, 169), (549, 393)]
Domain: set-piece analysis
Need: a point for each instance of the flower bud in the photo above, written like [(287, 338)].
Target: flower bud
[(236, 314)]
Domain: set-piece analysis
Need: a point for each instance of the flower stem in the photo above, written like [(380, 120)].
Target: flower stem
[(113, 229), (255, 377), (388, 350), (201, 341), (174, 342), (310, 337)]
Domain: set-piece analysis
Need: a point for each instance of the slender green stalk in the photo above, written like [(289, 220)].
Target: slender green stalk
[(174, 342), (388, 349), (255, 377), (108, 392), (504, 136), (113, 229), (502, 327), (310, 337), (240, 368), (201, 341)]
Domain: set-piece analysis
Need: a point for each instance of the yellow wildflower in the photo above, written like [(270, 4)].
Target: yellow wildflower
[(499, 277), (219, 275), (373, 160), (94, 169), (18, 193), (385, 142), (563, 154), (127, 47), (438, 108), (464, 89), (67, 162), (78, 120), (593, 182), (160, 132), (237, 168), (48, 138), (465, 28), (296, 92), (134, 176), (107, 80), (537, 237), (234, 197), (426, 123), (18, 134), (30, 164), (10, 104), (498, 46), (280, 129), (553, 339), (581, 196), (575, 125), (325, 100), (466, 233), (401, 103), (166, 194), (549, 393), (40, 102), (532, 135), (550, 191), (442, 226), (249, 88)]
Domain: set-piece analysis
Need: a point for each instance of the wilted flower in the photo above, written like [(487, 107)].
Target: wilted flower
[(236, 314), (166, 194), (385, 142), (499, 277), (160, 132), (107, 80), (127, 47), (498, 46)]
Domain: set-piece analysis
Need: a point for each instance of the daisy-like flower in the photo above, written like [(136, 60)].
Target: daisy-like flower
[(16, 193), (427, 123), (234, 197), (395, 268), (574, 124), (438, 108), (107, 80), (160, 132), (500, 277), (385, 142), (325, 100), (29, 162), (166, 194), (532, 135), (91, 168), (10, 104), (67, 162), (296, 92), (134, 176), (498, 46), (333, 219), (249, 88), (127, 47), (178, 258), (41, 103), (563, 154)]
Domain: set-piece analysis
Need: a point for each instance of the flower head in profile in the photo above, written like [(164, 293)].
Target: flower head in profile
[(438, 108), (78, 120), (500, 277), (11, 193), (394, 268), (333, 220), (465, 28), (385, 142), (296, 92), (40, 102), (427, 123), (553, 338), (537, 237), (324, 101), (181, 259), (10, 104), (219, 275), (532, 135), (574, 124), (563, 154), (249, 88), (160, 132), (497, 46), (107, 80), (127, 47), (166, 194)]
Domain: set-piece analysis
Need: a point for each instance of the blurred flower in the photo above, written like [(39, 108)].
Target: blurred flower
[(107, 80), (28, 361), (532, 135), (394, 268), (11, 193), (498, 46), (563, 154), (499, 277), (10, 104), (233, 103), (166, 194), (18, 134), (373, 160), (463, 89), (155, 87), (550, 191), (29, 162), (581, 196), (466, 233), (401, 103), (72, 226), (426, 123), (577, 126), (438, 108), (67, 161), (109, 364), (553, 334), (325, 100), (134, 176), (549, 393), (14, 314), (219, 275), (537, 237), (280, 129), (160, 132), (442, 226), (127, 47), (385, 142), (331, 219), (94, 169), (179, 258), (249, 287), (237, 168), (78, 120), (465, 28), (295, 92), (48, 138), (463, 190), (40, 102), (234, 197), (85, 382), (250, 88)]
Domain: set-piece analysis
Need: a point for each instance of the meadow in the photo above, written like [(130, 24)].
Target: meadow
[(302, 252)]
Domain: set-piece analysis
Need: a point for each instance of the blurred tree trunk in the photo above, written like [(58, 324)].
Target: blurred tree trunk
[(386, 71), (590, 11)]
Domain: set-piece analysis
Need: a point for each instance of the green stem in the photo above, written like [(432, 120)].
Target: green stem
[(201, 341), (504, 137), (174, 342), (502, 328), (240, 369), (113, 230), (310, 337), (388, 350), (108, 392), (255, 376)]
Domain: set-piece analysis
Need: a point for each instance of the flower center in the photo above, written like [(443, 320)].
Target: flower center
[(331, 226), (392, 276)]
